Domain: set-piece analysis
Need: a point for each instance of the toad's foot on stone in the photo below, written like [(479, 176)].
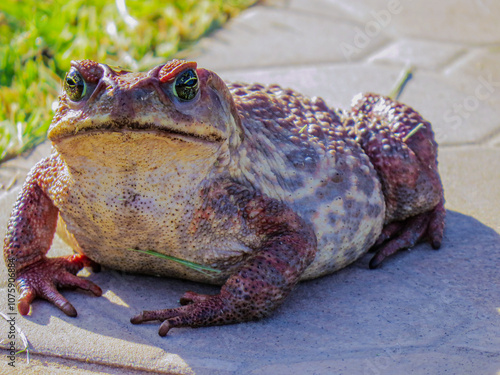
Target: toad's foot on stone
[(405, 234), (44, 278), (198, 310), (287, 247)]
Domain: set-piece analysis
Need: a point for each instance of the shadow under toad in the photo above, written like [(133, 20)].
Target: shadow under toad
[(415, 296)]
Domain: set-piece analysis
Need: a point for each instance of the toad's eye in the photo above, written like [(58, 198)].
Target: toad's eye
[(75, 85), (186, 85)]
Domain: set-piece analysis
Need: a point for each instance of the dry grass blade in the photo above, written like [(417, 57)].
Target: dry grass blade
[(23, 337)]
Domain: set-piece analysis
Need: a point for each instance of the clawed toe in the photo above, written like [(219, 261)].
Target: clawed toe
[(192, 297), (164, 328), (43, 279), (150, 315), (402, 235), (64, 305), (202, 311), (46, 290), (388, 232), (169, 317), (26, 297), (436, 225)]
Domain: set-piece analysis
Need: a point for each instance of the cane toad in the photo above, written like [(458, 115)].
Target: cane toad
[(258, 182)]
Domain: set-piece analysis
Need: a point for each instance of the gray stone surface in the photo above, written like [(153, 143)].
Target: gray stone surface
[(421, 54), (471, 177), (458, 21), (266, 36), (423, 312)]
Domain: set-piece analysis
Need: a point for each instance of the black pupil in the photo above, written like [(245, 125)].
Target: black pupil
[(75, 85), (186, 86)]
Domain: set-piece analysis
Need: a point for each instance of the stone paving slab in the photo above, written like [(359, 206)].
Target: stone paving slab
[(460, 21), (291, 42), (418, 53), (423, 312), (482, 65), (471, 177), (40, 364), (428, 92), (410, 308)]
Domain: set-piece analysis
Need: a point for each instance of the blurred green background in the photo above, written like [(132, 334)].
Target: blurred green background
[(38, 39)]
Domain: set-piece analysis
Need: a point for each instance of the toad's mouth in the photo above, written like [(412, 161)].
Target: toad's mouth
[(135, 149), (60, 133)]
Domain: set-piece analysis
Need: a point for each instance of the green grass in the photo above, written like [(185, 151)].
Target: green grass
[(38, 39), (194, 266)]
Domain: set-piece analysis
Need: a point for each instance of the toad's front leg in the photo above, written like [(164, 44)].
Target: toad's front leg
[(264, 280), (29, 235)]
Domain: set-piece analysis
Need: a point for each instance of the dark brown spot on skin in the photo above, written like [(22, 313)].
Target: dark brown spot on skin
[(332, 188), (373, 210)]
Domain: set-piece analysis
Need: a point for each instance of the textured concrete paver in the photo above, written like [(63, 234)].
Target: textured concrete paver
[(477, 74), (459, 21), (431, 94), (287, 35), (61, 366), (388, 319), (457, 117), (471, 177), (424, 311), (421, 54)]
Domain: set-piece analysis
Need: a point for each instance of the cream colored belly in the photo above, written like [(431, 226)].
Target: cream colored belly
[(109, 226), (112, 210), (345, 228), (133, 190)]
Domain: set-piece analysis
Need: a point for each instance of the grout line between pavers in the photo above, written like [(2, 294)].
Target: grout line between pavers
[(456, 58), (461, 55), (492, 138), (386, 43), (76, 361), (464, 146), (489, 139)]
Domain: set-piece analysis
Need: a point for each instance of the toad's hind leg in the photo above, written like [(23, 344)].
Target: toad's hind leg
[(426, 226), (401, 146), (283, 247)]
